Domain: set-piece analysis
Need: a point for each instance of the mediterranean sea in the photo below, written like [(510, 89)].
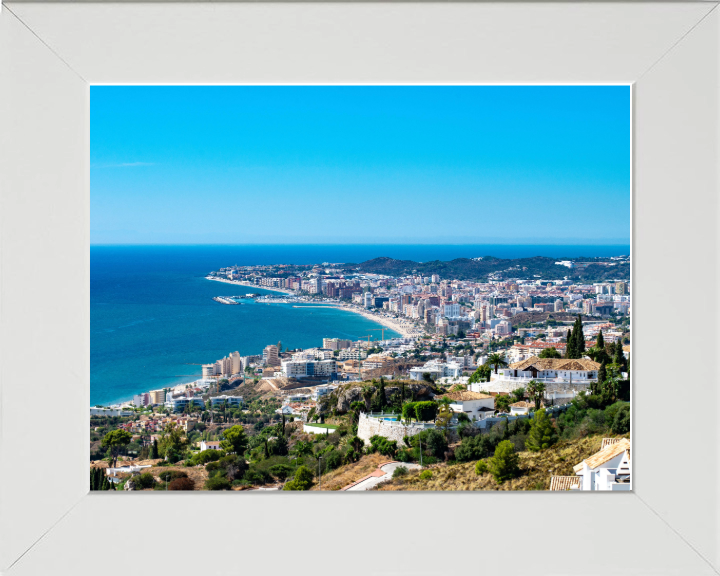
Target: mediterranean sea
[(153, 320)]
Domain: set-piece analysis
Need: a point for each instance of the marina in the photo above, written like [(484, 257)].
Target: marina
[(226, 300)]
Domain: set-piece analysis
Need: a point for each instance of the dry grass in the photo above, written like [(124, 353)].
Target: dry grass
[(350, 473), (197, 474), (537, 467)]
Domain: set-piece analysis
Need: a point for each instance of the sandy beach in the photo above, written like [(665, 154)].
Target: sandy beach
[(406, 328)]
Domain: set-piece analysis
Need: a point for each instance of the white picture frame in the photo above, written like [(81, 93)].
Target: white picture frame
[(50, 53)]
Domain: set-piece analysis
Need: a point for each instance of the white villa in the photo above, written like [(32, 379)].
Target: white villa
[(437, 370), (521, 408), (556, 373), (475, 405), (606, 470)]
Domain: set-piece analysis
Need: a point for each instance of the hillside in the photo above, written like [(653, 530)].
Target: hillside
[(537, 467), (476, 269)]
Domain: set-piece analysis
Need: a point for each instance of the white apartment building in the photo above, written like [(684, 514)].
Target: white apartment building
[(437, 370), (229, 400), (352, 354), (323, 368), (451, 310)]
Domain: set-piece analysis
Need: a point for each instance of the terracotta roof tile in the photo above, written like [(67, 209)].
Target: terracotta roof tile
[(561, 483), (604, 455), (555, 364), (466, 395)]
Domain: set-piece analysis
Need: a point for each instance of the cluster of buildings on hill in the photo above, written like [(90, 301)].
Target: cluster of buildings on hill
[(446, 306)]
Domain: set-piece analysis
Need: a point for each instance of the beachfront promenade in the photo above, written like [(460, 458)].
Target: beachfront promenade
[(405, 328)]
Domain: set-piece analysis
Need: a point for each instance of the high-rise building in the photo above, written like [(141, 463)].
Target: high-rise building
[(621, 288), (558, 305), (335, 344), (368, 299), (270, 356), (451, 310), (208, 371)]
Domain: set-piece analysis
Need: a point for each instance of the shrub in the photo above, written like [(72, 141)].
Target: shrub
[(257, 476), (426, 411), (400, 471), (408, 410), (280, 471), (217, 483), (143, 481), (621, 423), (505, 464), (481, 467), (425, 475), (383, 446), (202, 458), (217, 472), (302, 481), (404, 455), (333, 459), (183, 483), (168, 475)]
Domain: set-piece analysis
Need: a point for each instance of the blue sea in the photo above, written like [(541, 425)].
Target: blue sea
[(153, 320)]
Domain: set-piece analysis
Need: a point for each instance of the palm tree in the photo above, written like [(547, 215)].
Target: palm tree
[(497, 361), (535, 391)]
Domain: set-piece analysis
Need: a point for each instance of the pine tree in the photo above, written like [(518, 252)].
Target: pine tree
[(602, 376), (381, 393), (570, 347), (619, 358), (579, 338), (542, 433), (505, 464)]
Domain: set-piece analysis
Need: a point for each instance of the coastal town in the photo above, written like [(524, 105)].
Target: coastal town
[(515, 379)]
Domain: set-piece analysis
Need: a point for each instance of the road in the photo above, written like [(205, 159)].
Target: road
[(382, 474)]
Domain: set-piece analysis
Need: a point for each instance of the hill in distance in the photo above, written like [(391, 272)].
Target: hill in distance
[(599, 269)]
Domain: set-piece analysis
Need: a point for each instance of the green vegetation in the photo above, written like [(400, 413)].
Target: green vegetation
[(99, 480), (505, 464), (496, 361), (302, 481), (542, 433), (535, 391), (576, 340), (400, 471), (114, 441), (470, 269), (550, 353)]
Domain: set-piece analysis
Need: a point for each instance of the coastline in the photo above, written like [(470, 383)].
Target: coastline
[(405, 329)]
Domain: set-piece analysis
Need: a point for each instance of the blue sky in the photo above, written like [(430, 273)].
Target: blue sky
[(360, 164)]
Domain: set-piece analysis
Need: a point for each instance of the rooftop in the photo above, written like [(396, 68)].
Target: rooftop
[(555, 364), (561, 483), (466, 395), (604, 455)]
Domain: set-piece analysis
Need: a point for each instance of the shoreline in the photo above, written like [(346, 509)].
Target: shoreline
[(402, 328)]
